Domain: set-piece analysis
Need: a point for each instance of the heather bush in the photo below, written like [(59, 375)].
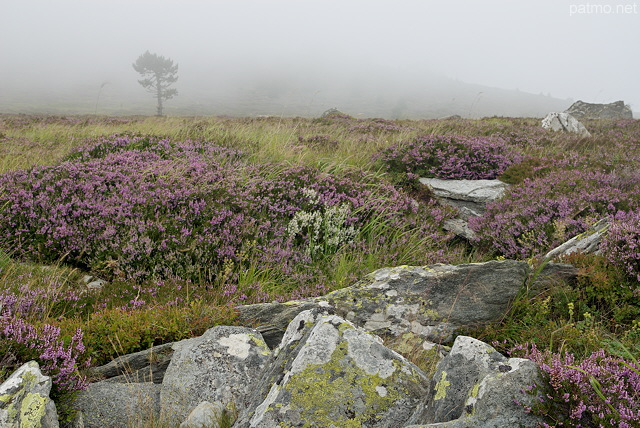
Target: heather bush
[(139, 208), (22, 341), (542, 213), (450, 157), (601, 390), (621, 244)]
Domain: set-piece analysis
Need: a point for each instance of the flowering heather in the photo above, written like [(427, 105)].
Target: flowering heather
[(621, 244), (450, 157), (139, 208), (601, 390), (58, 359), (542, 213)]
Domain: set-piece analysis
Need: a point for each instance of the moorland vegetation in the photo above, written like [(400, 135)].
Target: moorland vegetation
[(186, 218)]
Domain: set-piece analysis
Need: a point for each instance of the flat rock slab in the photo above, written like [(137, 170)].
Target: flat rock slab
[(469, 196), (586, 242), (430, 301), (221, 365), (332, 373)]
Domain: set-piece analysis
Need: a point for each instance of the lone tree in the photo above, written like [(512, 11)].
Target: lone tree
[(158, 74)]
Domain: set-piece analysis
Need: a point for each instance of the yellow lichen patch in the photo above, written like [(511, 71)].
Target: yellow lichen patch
[(32, 410), (475, 390), (441, 387), (326, 394)]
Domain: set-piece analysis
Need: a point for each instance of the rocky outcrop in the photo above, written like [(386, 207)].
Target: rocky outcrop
[(564, 122), (24, 399), (616, 110), (144, 366), (338, 361), (430, 301), (328, 372), (469, 196)]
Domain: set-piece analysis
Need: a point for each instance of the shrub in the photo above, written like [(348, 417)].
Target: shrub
[(601, 390), (450, 157), (541, 213), (139, 208), (622, 242)]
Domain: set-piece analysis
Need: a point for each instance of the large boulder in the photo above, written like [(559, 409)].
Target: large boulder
[(431, 301), (220, 365), (616, 110), (24, 399), (329, 373), (566, 123), (475, 386), (114, 404)]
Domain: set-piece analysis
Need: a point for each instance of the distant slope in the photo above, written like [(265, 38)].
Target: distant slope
[(377, 93)]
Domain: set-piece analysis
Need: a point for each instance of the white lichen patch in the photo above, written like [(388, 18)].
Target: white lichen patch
[(382, 391), (296, 329), (238, 345), (320, 345), (391, 293), (360, 346)]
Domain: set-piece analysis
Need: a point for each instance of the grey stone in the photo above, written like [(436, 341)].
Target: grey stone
[(24, 399), (564, 122), (205, 415), (586, 242), (332, 112), (220, 365), (271, 319), (144, 366), (110, 404), (431, 301), (616, 110), (460, 227), (329, 373), (475, 386), (470, 196)]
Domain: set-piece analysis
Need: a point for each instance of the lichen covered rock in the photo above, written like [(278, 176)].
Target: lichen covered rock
[(221, 365), (24, 399), (332, 373), (430, 301), (475, 386)]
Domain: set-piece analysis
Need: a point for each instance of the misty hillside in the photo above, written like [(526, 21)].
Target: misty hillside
[(300, 93)]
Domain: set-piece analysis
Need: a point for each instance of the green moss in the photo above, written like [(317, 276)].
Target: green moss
[(5, 398)]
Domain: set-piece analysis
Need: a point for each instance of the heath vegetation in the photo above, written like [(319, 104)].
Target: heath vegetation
[(187, 218)]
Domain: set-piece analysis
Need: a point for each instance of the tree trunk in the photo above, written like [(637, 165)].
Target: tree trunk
[(159, 94)]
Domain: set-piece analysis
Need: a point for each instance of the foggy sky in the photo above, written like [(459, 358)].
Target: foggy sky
[(55, 50)]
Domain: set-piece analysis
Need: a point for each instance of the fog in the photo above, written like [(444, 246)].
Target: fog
[(382, 58)]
